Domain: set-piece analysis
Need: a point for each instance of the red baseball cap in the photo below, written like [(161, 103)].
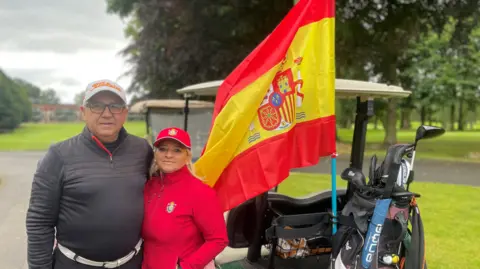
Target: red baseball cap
[(174, 133)]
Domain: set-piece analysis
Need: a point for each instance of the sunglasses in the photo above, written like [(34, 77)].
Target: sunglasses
[(99, 108)]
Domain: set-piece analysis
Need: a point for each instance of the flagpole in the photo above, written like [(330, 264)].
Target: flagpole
[(334, 190), (185, 111)]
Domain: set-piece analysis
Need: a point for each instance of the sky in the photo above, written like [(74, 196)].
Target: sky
[(61, 44)]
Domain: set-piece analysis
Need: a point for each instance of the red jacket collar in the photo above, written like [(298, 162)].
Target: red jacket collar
[(179, 175)]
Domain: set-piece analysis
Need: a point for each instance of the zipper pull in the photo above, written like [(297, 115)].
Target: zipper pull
[(111, 158)]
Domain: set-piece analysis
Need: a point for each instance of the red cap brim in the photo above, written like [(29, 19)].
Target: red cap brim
[(172, 138)]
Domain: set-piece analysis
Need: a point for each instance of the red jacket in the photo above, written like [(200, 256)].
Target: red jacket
[(183, 223)]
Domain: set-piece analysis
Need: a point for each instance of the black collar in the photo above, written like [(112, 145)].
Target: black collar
[(89, 136)]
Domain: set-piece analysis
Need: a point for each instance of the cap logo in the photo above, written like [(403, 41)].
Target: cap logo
[(105, 83), (172, 132)]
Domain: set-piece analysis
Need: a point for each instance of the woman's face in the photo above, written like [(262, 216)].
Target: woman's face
[(170, 156)]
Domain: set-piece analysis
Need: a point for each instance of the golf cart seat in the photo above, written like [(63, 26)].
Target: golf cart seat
[(248, 222), (241, 220), (283, 204)]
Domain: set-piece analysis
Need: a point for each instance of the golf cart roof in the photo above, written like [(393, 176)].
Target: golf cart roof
[(344, 88), (143, 106)]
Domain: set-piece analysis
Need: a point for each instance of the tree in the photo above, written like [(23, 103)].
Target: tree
[(50, 97), (444, 75), (176, 43), (33, 91), (15, 107), (78, 99), (25, 105), (379, 34)]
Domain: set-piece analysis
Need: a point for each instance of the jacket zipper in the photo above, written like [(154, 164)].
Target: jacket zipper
[(110, 154), (157, 197), (153, 201), (154, 198)]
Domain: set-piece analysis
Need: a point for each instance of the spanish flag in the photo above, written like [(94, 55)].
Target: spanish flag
[(276, 110)]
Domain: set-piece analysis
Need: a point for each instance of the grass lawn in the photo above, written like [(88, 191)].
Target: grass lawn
[(457, 146), (449, 212), (454, 146), (33, 136)]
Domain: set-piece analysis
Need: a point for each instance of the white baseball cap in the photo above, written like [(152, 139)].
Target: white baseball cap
[(104, 85)]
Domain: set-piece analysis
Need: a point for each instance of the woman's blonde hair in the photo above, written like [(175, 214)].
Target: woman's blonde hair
[(155, 170)]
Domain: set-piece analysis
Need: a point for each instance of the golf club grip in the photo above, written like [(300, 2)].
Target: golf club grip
[(395, 154)]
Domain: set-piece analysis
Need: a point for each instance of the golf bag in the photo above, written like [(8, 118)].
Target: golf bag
[(373, 228)]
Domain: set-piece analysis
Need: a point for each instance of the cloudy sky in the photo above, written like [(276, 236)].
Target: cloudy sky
[(62, 44)]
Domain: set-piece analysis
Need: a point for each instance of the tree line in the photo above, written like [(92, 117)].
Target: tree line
[(16, 99), (427, 46)]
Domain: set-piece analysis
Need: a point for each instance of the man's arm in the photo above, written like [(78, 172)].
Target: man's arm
[(43, 209)]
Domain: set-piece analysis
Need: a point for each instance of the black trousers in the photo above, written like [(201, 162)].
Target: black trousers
[(60, 261)]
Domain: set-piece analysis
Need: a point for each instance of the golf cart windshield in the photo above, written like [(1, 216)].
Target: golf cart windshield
[(344, 88), (195, 116), (166, 113)]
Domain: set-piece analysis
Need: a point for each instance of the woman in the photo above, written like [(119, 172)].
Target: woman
[(183, 224)]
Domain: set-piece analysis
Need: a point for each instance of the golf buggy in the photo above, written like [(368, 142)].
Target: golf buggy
[(274, 230)]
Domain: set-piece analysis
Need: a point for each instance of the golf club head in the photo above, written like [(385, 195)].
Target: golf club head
[(427, 132), (355, 176)]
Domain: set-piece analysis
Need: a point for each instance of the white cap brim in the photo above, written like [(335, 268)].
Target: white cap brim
[(103, 89), (104, 85)]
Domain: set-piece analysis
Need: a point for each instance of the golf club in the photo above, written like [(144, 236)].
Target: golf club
[(423, 132), (355, 176)]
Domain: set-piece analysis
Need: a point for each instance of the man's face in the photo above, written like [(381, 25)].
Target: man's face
[(103, 122)]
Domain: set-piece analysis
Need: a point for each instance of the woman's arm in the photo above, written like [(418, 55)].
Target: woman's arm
[(208, 217)]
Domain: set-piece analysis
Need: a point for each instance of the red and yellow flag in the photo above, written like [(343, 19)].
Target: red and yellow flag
[(276, 110)]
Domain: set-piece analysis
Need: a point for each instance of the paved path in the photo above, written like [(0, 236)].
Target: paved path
[(425, 170), (17, 169)]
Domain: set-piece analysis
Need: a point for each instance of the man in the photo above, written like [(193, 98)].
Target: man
[(87, 191)]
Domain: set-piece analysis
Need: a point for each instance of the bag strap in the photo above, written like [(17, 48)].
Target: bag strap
[(391, 180), (415, 258), (347, 221), (400, 218)]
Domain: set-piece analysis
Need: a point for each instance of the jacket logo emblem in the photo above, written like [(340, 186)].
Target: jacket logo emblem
[(172, 132), (170, 207)]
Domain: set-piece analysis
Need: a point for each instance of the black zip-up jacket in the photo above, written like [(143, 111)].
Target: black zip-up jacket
[(92, 197)]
